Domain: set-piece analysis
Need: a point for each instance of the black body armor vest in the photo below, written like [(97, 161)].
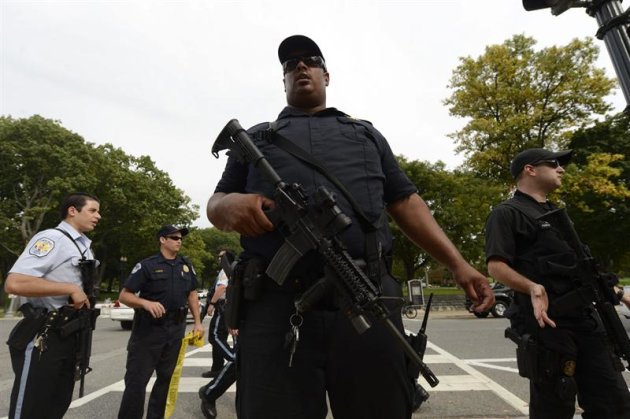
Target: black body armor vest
[(546, 258)]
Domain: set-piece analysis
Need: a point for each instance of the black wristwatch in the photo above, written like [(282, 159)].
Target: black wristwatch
[(211, 303)]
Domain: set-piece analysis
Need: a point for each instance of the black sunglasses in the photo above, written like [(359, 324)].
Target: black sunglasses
[(554, 163), (175, 238), (311, 61)]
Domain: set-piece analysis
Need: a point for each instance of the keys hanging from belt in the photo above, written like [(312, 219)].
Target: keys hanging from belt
[(293, 335), (42, 337)]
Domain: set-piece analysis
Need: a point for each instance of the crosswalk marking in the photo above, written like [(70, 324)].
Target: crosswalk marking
[(472, 380), (491, 365), (483, 381)]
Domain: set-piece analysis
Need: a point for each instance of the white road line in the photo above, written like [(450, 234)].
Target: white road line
[(492, 366), (435, 359), (491, 363), (492, 360), (473, 380), (186, 385), (483, 381), (96, 394)]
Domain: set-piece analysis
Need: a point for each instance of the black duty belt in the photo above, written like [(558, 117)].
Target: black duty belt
[(177, 316)]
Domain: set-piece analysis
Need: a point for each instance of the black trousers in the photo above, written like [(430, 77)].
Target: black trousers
[(364, 376), (152, 347), (601, 390), (217, 337), (44, 382), (222, 382)]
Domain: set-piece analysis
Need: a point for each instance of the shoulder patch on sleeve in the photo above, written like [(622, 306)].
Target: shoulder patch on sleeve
[(42, 247), (136, 268)]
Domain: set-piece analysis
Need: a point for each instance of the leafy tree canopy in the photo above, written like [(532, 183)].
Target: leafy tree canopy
[(596, 190), (516, 97), (459, 201), (213, 241), (42, 161)]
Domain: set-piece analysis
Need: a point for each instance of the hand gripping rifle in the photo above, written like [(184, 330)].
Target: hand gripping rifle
[(595, 286), (313, 223)]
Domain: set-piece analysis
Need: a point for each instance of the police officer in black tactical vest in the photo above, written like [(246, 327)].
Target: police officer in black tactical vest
[(288, 364), (161, 289), (562, 351)]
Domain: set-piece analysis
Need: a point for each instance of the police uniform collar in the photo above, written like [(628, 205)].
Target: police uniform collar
[(161, 258), (65, 226), (522, 195), (290, 111)]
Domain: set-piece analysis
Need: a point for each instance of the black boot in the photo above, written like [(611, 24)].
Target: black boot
[(208, 407)]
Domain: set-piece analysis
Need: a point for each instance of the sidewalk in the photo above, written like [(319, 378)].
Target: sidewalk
[(445, 312)]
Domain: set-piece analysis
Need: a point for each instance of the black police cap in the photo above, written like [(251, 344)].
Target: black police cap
[(297, 46), (534, 155), (170, 229)]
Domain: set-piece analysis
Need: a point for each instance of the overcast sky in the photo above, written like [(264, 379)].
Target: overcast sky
[(162, 78)]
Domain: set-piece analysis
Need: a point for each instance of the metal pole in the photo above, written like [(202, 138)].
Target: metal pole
[(617, 40)]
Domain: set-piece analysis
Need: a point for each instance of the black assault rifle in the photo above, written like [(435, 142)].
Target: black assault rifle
[(84, 323), (595, 288), (84, 320), (87, 318), (312, 223)]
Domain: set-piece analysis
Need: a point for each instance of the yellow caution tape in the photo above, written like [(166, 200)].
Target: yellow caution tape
[(193, 339)]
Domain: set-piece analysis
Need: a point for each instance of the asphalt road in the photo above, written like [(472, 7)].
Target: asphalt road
[(475, 364)]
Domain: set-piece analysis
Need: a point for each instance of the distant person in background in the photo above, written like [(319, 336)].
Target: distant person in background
[(217, 331), (47, 276), (210, 392), (164, 283)]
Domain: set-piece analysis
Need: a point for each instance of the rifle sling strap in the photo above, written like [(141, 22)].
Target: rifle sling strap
[(65, 233), (373, 250), (299, 153), (84, 280)]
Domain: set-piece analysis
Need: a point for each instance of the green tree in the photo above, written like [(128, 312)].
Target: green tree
[(194, 248), (459, 201), (596, 191), (516, 97), (42, 161), (215, 240), (136, 199)]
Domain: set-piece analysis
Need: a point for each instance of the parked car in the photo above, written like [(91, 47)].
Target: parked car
[(503, 296), (119, 312), (123, 314)]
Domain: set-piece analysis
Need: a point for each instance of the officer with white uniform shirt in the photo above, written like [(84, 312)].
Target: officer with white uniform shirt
[(47, 277)]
